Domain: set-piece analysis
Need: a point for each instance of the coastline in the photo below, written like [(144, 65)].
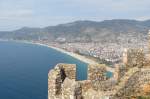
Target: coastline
[(74, 55), (77, 56)]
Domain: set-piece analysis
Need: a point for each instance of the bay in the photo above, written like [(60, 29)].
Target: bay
[(24, 69)]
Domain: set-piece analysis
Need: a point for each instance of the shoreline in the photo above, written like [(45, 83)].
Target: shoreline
[(74, 55)]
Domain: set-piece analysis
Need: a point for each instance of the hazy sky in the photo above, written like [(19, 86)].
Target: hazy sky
[(39, 13)]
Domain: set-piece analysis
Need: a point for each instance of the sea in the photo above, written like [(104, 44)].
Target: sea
[(24, 69)]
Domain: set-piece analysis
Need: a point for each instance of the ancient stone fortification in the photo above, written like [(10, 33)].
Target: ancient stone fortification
[(131, 79), (62, 82)]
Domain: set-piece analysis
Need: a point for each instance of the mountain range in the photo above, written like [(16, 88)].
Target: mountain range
[(81, 31)]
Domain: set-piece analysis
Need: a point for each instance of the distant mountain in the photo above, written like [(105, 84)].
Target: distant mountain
[(81, 31)]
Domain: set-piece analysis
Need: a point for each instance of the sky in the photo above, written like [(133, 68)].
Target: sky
[(15, 14)]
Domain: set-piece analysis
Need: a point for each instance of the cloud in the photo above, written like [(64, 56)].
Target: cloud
[(142, 18), (51, 12), (11, 14)]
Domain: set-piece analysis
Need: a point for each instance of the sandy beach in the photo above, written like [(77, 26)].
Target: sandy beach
[(77, 56)]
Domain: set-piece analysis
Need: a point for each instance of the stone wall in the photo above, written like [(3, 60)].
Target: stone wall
[(97, 72), (54, 84), (71, 89), (120, 70), (135, 86), (68, 69), (86, 85), (63, 85), (133, 57), (57, 76)]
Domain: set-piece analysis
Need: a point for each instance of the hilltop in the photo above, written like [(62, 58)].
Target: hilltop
[(82, 31)]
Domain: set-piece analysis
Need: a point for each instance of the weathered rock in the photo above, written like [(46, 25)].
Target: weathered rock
[(97, 72), (57, 76), (54, 84), (68, 69), (133, 58), (135, 86)]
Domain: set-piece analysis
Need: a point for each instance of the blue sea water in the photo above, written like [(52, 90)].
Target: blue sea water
[(24, 69)]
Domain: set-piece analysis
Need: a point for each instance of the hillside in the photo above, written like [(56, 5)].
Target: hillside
[(82, 31)]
